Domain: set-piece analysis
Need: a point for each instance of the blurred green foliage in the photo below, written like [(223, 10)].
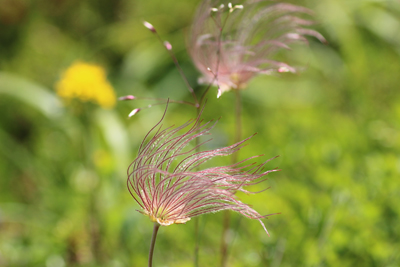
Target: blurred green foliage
[(63, 196)]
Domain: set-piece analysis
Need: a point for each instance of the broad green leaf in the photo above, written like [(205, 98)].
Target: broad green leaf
[(31, 94)]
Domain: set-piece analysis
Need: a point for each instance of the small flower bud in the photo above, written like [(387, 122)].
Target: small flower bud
[(127, 97), (232, 8), (149, 26), (168, 45), (136, 110)]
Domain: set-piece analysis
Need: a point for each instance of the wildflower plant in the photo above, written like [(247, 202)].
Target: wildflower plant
[(170, 184), (231, 43), (86, 82)]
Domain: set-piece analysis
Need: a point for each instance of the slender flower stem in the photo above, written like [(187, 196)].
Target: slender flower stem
[(224, 239), (178, 66), (153, 242), (196, 220), (238, 136), (203, 96), (238, 121), (196, 246), (221, 28), (164, 100)]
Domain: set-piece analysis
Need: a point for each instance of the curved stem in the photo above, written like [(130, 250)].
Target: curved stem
[(237, 138), (197, 237), (218, 54), (238, 122), (196, 220), (224, 239), (159, 99), (178, 66), (203, 96), (153, 242)]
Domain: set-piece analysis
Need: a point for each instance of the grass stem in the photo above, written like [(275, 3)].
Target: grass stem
[(237, 138)]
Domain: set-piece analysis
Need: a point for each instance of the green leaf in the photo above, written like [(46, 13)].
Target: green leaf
[(30, 93)]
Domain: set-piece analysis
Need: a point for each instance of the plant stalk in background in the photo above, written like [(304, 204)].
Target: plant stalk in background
[(232, 43)]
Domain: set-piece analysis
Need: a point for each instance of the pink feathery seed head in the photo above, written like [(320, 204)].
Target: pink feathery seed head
[(171, 185), (238, 41)]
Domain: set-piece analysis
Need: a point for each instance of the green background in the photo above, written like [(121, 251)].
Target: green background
[(63, 195)]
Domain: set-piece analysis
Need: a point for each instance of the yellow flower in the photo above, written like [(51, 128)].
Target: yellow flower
[(87, 82)]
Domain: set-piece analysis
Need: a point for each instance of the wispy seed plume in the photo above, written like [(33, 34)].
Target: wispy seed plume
[(169, 182), (238, 41)]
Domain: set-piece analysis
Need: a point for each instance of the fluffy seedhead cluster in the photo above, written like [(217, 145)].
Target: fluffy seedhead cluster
[(231, 43), (168, 181)]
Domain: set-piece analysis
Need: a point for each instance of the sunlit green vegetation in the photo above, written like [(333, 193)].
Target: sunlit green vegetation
[(336, 127)]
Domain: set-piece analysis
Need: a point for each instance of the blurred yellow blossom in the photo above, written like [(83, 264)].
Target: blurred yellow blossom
[(87, 82)]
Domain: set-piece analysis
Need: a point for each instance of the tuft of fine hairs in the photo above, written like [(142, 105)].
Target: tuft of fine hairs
[(170, 184), (230, 43)]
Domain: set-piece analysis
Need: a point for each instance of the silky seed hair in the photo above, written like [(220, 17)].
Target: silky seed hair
[(171, 185)]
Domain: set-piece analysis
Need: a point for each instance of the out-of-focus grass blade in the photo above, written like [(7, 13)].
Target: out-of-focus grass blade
[(116, 136), (30, 93)]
